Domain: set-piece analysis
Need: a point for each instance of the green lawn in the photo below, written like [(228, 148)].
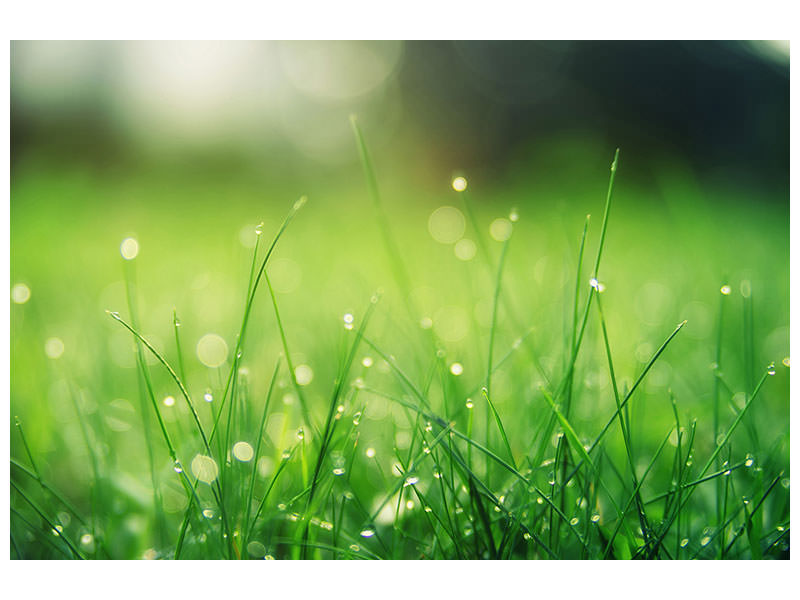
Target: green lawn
[(384, 444)]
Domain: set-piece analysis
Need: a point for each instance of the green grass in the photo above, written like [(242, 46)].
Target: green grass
[(582, 421)]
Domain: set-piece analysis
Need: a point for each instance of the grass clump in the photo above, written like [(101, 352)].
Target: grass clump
[(392, 455)]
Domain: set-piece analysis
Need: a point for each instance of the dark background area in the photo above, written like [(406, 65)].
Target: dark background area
[(721, 106)]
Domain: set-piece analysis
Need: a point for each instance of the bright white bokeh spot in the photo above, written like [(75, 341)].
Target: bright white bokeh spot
[(205, 468), (370, 452), (129, 248), (169, 401), (500, 229), (303, 374), (367, 361), (446, 224), (459, 184), (725, 290), (243, 451), (54, 347), (456, 368), (212, 350), (465, 249), (20, 293)]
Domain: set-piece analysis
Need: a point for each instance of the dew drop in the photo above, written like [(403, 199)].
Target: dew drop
[(469, 403), (178, 467), (129, 248), (595, 518), (208, 397), (338, 471), (357, 418), (411, 480), (169, 401), (771, 369), (786, 361), (367, 532), (573, 521), (256, 549), (749, 460), (208, 513), (354, 547), (459, 184), (370, 452), (685, 541), (456, 368), (725, 290), (301, 434), (705, 540), (367, 361)]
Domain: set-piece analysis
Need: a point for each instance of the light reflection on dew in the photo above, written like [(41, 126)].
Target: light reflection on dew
[(367, 361), (456, 368), (367, 532), (459, 184), (243, 451), (370, 452), (20, 293), (129, 248), (725, 290), (411, 480), (303, 374), (169, 401)]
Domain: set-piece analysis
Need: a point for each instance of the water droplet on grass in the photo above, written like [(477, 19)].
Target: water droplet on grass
[(367, 532), (459, 184), (595, 518), (338, 471), (208, 397), (456, 368), (705, 540), (367, 361), (370, 452), (169, 401), (749, 460), (256, 549), (411, 480), (301, 434), (178, 467), (771, 369), (469, 403), (725, 290), (573, 521), (685, 541), (208, 513), (357, 418)]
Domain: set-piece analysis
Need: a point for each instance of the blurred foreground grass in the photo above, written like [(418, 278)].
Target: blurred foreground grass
[(392, 484)]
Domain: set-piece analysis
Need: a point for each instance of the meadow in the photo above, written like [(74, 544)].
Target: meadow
[(578, 363)]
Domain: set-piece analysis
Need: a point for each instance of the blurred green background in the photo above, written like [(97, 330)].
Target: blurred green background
[(187, 146)]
